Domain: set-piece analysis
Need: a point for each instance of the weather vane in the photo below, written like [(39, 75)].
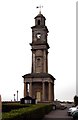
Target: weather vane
[(39, 8)]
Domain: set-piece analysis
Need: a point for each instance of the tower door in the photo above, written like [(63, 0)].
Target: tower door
[(38, 96)]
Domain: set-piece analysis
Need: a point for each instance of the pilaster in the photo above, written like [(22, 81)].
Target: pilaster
[(44, 61)]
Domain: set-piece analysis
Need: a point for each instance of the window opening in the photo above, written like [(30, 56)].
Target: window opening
[(38, 62), (38, 22)]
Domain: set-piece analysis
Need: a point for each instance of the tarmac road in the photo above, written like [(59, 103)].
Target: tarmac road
[(58, 115)]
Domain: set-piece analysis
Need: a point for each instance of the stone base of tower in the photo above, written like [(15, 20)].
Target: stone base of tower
[(39, 86)]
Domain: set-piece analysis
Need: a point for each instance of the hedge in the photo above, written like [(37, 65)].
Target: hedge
[(34, 112), (6, 107)]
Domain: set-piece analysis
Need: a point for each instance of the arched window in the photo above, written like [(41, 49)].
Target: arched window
[(38, 22), (39, 62)]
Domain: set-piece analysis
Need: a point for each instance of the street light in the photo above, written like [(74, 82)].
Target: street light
[(14, 97), (17, 95)]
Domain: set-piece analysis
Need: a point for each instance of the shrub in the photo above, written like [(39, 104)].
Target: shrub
[(76, 100), (34, 111), (6, 107)]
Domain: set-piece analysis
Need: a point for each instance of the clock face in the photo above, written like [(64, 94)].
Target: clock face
[(38, 35)]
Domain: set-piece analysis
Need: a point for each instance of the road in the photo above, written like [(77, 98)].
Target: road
[(58, 115)]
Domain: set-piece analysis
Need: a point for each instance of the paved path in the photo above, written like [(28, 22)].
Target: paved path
[(58, 114)]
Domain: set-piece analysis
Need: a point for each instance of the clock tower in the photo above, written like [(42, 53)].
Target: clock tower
[(39, 46), (39, 83)]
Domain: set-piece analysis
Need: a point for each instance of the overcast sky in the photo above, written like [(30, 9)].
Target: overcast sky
[(16, 20)]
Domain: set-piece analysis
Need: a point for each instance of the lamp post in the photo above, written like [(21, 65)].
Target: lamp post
[(14, 97), (17, 95)]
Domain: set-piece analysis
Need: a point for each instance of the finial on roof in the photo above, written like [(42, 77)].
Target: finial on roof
[(39, 8)]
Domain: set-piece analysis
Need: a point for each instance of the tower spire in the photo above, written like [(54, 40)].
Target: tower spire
[(39, 8)]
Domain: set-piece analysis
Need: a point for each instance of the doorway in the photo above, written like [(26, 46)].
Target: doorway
[(38, 96)]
